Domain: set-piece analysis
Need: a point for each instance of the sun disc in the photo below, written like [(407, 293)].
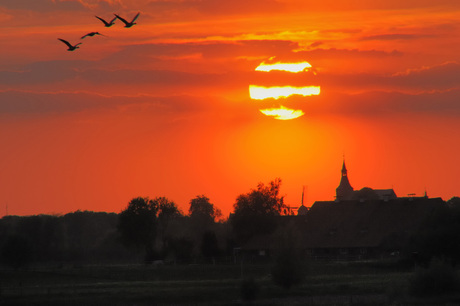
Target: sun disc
[(290, 67), (259, 92), (282, 113), (277, 92)]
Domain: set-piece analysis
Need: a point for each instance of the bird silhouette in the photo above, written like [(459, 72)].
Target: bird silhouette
[(71, 47), (107, 24), (128, 24), (91, 34)]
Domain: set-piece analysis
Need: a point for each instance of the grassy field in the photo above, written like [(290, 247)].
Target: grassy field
[(326, 284)]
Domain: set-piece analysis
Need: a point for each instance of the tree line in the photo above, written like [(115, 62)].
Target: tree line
[(145, 230), (149, 230)]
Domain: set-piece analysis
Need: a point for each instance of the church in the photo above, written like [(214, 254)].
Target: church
[(358, 224), (361, 224), (346, 192)]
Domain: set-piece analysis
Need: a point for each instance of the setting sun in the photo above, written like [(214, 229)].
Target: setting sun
[(277, 92), (290, 67), (187, 101), (282, 113), (283, 89)]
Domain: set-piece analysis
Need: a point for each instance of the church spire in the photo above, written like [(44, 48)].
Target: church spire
[(344, 168), (344, 191)]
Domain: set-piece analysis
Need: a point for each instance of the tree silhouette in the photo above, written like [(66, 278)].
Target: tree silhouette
[(167, 212), (255, 212), (366, 193), (203, 210), (137, 225), (209, 245)]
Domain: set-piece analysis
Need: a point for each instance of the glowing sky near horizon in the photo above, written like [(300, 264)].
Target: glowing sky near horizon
[(163, 108)]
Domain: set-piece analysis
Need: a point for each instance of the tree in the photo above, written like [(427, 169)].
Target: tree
[(137, 225), (454, 202), (167, 211), (255, 212), (265, 200), (366, 193), (203, 210), (209, 245)]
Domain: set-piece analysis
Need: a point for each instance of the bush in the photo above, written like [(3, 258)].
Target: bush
[(249, 289), (438, 278)]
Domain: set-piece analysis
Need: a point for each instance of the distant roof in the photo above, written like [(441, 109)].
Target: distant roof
[(385, 194), (357, 223)]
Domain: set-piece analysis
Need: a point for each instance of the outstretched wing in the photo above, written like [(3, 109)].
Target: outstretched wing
[(85, 35), (111, 21), (135, 17), (105, 22), (124, 21), (66, 42)]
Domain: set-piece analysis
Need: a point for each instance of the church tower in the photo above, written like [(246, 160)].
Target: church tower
[(344, 191)]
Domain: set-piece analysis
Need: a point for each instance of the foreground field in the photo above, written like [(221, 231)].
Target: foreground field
[(326, 284)]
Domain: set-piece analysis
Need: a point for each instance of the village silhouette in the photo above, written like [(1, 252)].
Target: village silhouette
[(365, 247)]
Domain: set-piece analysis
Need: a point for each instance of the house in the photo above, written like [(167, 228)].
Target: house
[(356, 229), (346, 192), (358, 224)]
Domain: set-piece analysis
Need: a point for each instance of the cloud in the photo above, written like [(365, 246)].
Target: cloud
[(436, 78), (51, 75), (20, 103), (42, 73), (334, 5), (42, 5), (332, 57), (316, 44), (216, 7), (61, 5), (439, 77), (207, 49), (394, 37), (378, 103)]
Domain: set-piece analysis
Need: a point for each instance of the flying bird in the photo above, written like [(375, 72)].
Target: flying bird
[(107, 24), (71, 47), (91, 34), (128, 24)]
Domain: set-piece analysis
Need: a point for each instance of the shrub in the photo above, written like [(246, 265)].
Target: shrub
[(438, 278)]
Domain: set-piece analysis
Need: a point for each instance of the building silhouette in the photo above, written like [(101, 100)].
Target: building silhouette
[(344, 191), (358, 224)]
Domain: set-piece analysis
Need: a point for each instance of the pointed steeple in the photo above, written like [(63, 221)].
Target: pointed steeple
[(344, 191), (344, 169)]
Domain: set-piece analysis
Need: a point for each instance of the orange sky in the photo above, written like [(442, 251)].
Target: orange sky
[(163, 108)]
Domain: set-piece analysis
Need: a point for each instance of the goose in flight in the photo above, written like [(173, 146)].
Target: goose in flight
[(128, 24), (91, 34), (107, 24), (71, 47)]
